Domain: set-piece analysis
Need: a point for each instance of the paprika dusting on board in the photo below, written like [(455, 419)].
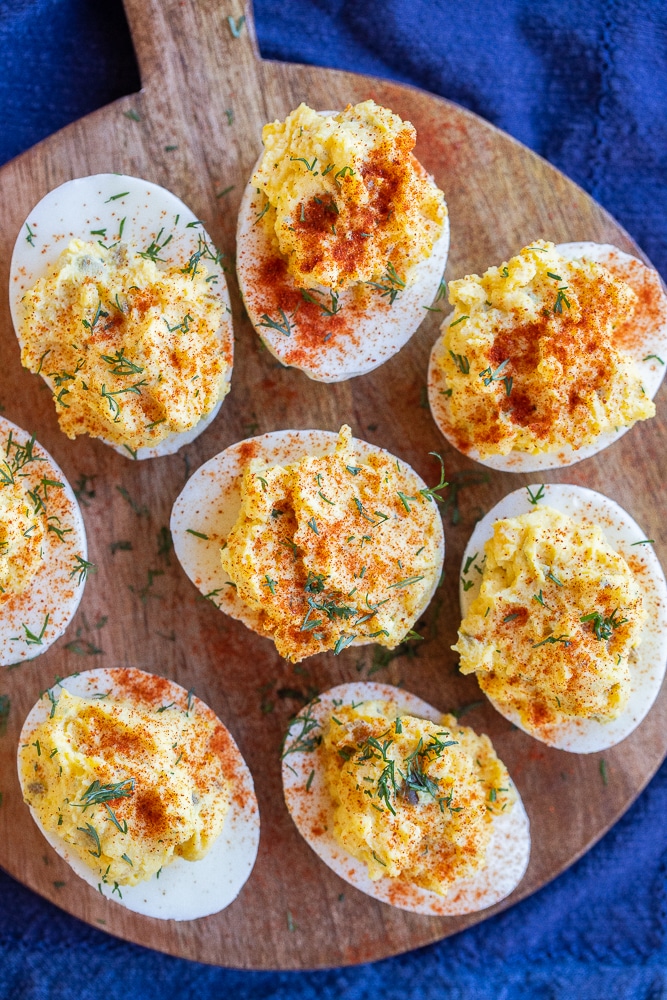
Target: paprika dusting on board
[(335, 231)]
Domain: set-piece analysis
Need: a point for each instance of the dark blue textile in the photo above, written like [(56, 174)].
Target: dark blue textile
[(585, 85)]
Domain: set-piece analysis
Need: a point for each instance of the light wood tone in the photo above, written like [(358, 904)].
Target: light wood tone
[(500, 197)]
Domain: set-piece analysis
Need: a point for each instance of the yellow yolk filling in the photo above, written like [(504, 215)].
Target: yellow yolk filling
[(21, 538), (413, 800), (128, 790), (552, 632), (530, 358), (334, 549), (132, 353), (346, 199)]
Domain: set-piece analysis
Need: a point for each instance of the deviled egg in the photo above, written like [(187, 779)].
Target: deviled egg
[(138, 785), (120, 303), (43, 551), (342, 240), (550, 357), (313, 539), (564, 608), (403, 802)]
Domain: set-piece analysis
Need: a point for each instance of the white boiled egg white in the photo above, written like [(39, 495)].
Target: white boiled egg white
[(309, 802), (360, 336), (643, 337), (30, 621), (115, 208), (625, 536), (182, 890), (209, 504)]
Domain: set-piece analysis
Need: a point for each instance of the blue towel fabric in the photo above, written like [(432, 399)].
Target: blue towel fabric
[(585, 85)]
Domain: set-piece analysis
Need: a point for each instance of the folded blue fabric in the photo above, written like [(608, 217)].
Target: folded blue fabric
[(585, 85)]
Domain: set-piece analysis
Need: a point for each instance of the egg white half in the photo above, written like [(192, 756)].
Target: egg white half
[(57, 587), (625, 537), (649, 330), (310, 806), (209, 504), (375, 334), (184, 890), (102, 202)]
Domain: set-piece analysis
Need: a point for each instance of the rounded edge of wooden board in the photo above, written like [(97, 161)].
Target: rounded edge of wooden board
[(431, 929)]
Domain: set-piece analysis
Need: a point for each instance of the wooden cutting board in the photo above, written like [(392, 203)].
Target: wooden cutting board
[(195, 128)]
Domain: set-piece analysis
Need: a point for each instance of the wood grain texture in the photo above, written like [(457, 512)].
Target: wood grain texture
[(500, 197)]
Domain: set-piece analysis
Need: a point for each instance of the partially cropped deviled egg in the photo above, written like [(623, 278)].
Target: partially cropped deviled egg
[(43, 552), (342, 240), (564, 609), (550, 357), (313, 539), (403, 802), (120, 303), (138, 785)]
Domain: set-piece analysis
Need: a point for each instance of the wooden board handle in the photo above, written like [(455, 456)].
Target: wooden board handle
[(196, 66), (206, 40)]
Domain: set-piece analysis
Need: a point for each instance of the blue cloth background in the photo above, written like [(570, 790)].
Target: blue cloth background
[(585, 85)]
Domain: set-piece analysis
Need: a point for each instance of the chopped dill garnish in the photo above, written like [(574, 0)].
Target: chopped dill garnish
[(534, 498), (565, 639), (285, 327), (603, 627), (93, 834), (236, 26), (82, 568), (460, 360), (306, 739), (390, 284), (560, 299)]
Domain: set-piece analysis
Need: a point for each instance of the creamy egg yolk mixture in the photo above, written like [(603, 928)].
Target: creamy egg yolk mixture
[(22, 533), (333, 549), (552, 632), (346, 199), (131, 351), (413, 800), (129, 790), (530, 358)]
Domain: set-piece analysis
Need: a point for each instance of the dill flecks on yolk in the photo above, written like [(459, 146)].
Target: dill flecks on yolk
[(346, 199), (413, 799), (22, 531), (553, 629), (530, 356), (132, 352), (334, 549), (129, 790)]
